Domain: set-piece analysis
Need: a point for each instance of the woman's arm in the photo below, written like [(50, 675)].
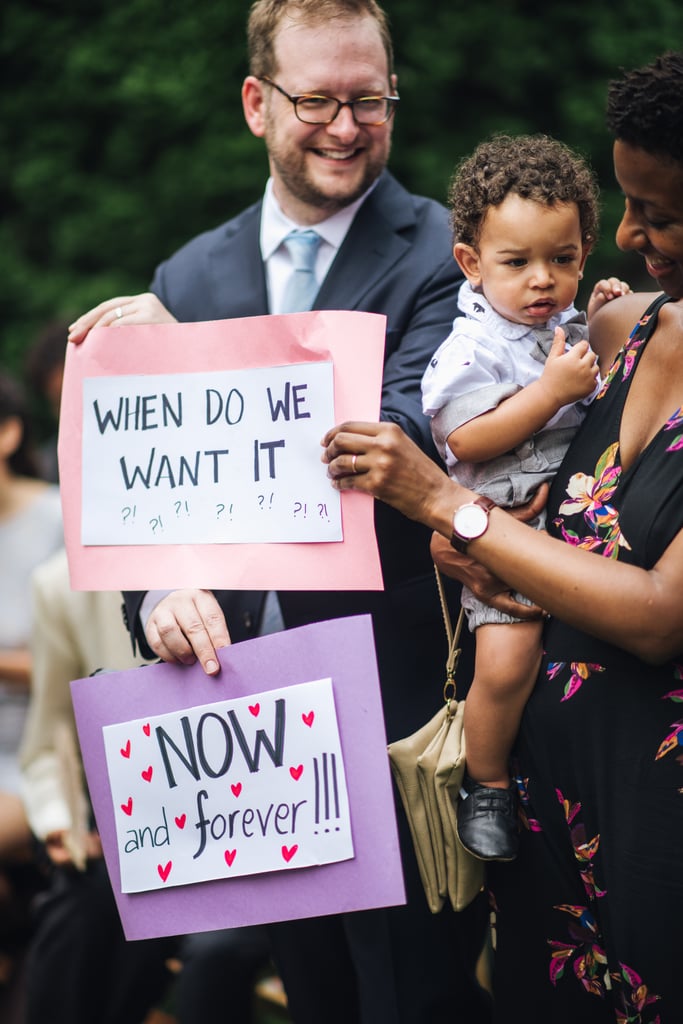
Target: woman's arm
[(15, 665), (611, 325), (630, 607)]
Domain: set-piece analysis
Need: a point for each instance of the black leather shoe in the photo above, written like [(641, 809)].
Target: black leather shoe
[(487, 822)]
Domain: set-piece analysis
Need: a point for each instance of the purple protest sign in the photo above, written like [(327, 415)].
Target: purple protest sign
[(196, 783)]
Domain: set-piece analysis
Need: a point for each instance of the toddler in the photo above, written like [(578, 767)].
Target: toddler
[(506, 392)]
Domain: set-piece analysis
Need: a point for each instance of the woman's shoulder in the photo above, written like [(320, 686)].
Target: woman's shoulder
[(611, 326)]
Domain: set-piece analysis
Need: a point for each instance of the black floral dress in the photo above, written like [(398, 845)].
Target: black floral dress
[(589, 918)]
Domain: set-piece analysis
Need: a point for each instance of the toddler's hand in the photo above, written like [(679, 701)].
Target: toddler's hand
[(572, 374), (604, 291)]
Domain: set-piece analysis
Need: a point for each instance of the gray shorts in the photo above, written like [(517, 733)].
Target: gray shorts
[(480, 614)]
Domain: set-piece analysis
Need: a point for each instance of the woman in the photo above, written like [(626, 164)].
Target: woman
[(30, 529), (588, 916)]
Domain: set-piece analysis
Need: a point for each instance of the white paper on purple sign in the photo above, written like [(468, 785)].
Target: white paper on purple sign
[(239, 787)]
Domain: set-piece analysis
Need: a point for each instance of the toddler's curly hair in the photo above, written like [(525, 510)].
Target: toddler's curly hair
[(535, 167)]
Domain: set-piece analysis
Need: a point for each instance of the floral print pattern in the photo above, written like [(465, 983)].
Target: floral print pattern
[(583, 950), (590, 496), (579, 671), (594, 709)]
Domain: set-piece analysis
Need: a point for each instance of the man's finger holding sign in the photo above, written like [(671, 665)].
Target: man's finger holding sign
[(188, 626)]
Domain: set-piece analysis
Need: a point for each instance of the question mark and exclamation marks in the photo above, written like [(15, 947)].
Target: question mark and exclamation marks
[(128, 513), (326, 790)]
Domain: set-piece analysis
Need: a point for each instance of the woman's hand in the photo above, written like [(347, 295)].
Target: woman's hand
[(121, 312), (379, 459), (483, 584)]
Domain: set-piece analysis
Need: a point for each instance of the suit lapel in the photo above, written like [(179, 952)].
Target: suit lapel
[(372, 246), (374, 243), (237, 281)]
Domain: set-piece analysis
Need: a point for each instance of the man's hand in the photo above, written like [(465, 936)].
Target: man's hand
[(188, 626), (121, 312), (59, 851)]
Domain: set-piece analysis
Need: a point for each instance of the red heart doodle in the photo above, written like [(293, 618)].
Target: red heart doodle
[(230, 856), (308, 719), (180, 822), (296, 772), (127, 808), (125, 751), (255, 708), (288, 852), (164, 871), (147, 774), (146, 729), (236, 788)]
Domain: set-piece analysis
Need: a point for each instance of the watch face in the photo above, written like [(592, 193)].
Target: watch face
[(470, 521)]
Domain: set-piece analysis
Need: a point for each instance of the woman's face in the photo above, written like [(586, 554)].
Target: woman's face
[(652, 224)]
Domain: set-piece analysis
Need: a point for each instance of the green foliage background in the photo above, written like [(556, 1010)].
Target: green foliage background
[(122, 132)]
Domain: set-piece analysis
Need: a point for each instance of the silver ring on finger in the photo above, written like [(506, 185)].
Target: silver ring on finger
[(354, 459), (118, 312)]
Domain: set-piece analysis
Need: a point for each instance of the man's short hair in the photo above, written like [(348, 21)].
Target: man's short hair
[(266, 16)]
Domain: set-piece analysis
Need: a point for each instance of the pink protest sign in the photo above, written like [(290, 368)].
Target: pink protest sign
[(231, 801), (190, 454)]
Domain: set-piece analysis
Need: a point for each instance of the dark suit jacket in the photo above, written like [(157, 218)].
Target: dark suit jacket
[(397, 260)]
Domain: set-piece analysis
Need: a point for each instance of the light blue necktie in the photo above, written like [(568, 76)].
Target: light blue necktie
[(300, 291), (302, 287)]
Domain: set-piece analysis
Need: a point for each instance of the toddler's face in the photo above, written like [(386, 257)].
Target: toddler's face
[(529, 259)]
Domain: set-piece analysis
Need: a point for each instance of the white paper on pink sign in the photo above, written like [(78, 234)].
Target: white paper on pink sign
[(189, 454), (227, 457)]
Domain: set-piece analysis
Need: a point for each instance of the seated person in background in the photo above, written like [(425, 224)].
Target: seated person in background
[(80, 967), (44, 371), (506, 391), (30, 530)]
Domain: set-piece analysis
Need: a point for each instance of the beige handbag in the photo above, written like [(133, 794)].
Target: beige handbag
[(428, 768)]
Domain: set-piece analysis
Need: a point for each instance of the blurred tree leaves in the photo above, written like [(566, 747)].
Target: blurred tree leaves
[(122, 132)]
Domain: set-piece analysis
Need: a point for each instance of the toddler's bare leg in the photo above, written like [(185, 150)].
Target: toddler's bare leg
[(506, 664)]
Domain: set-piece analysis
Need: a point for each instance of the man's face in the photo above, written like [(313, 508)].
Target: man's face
[(319, 169)]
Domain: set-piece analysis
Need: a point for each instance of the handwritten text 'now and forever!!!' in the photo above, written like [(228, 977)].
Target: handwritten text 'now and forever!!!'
[(239, 787)]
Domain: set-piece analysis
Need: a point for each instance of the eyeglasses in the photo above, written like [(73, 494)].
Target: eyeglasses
[(313, 109)]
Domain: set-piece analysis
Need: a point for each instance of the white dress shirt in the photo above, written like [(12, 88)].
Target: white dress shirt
[(275, 226)]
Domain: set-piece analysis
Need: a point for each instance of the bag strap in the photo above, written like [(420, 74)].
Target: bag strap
[(453, 637)]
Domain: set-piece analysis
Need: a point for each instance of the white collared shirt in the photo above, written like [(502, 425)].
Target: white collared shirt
[(275, 226)]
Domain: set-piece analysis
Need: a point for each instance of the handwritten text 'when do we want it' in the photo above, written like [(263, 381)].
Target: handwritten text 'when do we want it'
[(197, 457)]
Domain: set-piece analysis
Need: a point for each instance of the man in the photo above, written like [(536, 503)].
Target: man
[(322, 93)]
